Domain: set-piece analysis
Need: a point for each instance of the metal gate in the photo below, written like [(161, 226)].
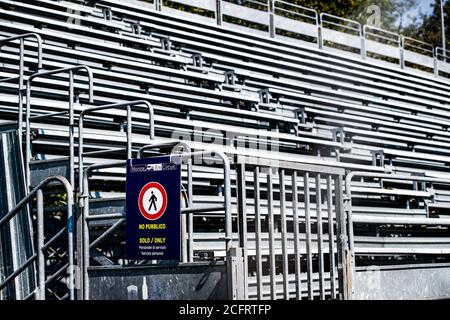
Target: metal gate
[(292, 229)]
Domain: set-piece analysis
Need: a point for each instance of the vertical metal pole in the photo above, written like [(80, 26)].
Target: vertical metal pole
[(85, 230), (82, 202), (242, 198), (80, 153), (129, 133), (319, 32), (70, 249), (402, 52), (28, 139), (71, 130), (320, 236), (184, 228), (284, 235), (341, 239), (363, 43), (219, 12), (271, 9), (271, 235), (40, 245), (308, 236), (320, 35), (436, 62), (258, 234), (21, 72), (190, 216), (444, 41), (331, 237), (297, 252), (158, 5), (184, 239)]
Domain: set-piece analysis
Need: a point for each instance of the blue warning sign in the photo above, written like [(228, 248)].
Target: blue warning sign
[(153, 209)]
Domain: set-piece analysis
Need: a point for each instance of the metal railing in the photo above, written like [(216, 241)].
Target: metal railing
[(382, 43), (28, 118), (296, 20), (284, 8), (417, 53), (191, 209), (42, 246), (289, 205), (128, 106), (442, 61), (21, 75), (345, 33)]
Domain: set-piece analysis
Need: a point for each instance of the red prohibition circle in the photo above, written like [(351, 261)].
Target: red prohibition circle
[(163, 208)]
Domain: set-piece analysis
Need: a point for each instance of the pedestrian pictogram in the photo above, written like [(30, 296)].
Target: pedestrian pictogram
[(152, 201)]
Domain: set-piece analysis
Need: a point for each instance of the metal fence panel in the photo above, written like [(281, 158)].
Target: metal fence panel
[(341, 32), (252, 15), (417, 52), (381, 42), (296, 26)]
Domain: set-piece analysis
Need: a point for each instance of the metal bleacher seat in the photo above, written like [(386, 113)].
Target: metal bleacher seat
[(327, 101)]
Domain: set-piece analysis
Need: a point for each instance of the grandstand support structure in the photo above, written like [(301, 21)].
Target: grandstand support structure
[(70, 112), (20, 76)]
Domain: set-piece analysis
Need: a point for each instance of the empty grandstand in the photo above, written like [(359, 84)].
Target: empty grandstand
[(315, 150)]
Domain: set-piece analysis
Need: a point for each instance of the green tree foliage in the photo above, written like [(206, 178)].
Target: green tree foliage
[(429, 28)]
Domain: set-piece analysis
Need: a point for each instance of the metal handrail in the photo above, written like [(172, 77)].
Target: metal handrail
[(22, 38), (421, 46), (295, 6), (277, 6), (71, 71), (365, 31), (265, 3), (40, 234), (128, 106), (441, 53), (387, 32), (357, 27)]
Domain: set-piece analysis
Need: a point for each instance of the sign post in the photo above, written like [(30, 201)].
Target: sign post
[(153, 209)]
